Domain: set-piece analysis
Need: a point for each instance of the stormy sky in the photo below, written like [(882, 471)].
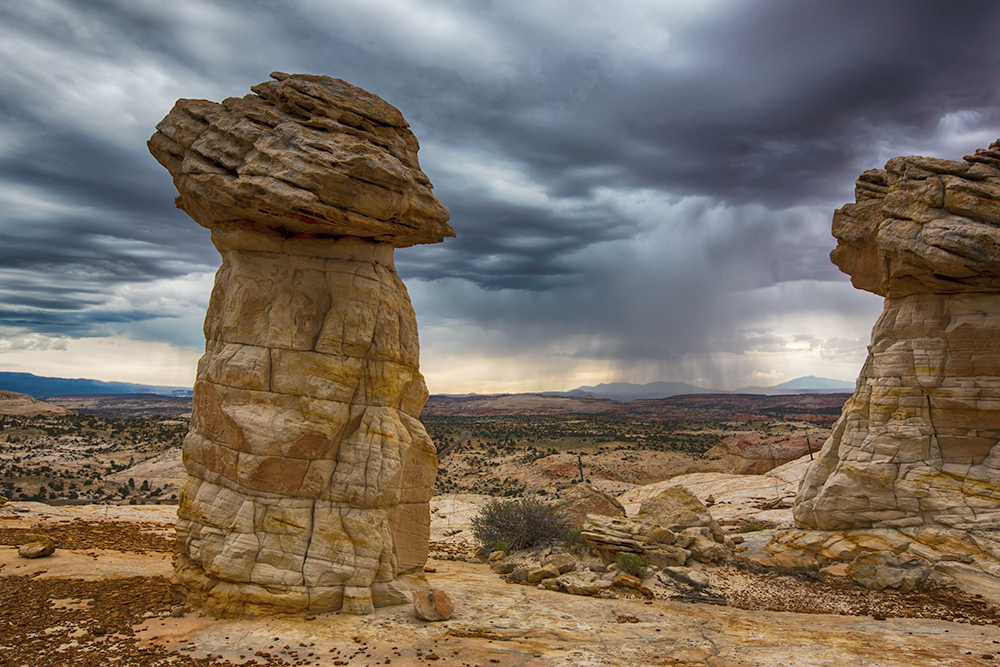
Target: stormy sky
[(642, 191)]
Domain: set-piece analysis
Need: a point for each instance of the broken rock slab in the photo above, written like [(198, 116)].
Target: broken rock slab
[(671, 527), (878, 571)]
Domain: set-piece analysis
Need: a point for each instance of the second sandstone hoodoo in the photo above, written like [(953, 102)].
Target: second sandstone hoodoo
[(917, 448)]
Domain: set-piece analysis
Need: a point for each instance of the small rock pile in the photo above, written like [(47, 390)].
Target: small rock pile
[(555, 571), (671, 529), (566, 573)]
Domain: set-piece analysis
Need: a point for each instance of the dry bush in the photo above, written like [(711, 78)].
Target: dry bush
[(516, 524)]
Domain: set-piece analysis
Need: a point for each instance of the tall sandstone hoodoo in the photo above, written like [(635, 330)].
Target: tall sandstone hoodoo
[(916, 447), (309, 472)]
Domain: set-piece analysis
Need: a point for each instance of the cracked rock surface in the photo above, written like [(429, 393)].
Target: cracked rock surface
[(916, 447), (309, 472)]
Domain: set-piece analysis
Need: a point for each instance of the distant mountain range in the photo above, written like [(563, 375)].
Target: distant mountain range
[(626, 391), (809, 384), (44, 387)]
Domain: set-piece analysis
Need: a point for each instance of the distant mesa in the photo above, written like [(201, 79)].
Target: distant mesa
[(126, 405), (821, 408), (43, 387), (626, 391), (13, 403)]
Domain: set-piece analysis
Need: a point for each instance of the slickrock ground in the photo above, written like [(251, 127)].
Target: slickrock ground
[(103, 598)]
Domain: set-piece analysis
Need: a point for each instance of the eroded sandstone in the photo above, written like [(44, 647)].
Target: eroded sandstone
[(916, 448), (309, 472)]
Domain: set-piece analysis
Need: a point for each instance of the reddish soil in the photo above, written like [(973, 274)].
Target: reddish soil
[(118, 536)]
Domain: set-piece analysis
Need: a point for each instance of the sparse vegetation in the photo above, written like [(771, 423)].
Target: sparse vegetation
[(806, 572), (630, 563), (516, 524), (574, 543), (78, 458)]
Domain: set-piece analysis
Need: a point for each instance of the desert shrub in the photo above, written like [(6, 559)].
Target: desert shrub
[(801, 571), (516, 524), (631, 563), (573, 542), (751, 527)]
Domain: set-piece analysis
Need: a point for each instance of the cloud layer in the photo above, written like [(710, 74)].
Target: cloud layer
[(641, 191)]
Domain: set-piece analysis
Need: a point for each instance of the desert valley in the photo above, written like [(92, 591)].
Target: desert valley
[(103, 485)]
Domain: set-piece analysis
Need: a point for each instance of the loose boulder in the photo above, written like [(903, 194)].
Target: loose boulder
[(38, 545), (432, 604), (584, 499)]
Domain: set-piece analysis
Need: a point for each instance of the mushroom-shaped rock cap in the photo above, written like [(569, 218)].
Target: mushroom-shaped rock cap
[(924, 225), (304, 156)]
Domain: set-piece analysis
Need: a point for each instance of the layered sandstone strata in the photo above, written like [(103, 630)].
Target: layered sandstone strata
[(309, 472), (916, 445)]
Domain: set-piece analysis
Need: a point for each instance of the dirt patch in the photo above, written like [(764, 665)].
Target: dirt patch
[(44, 622), (748, 587), (118, 536)]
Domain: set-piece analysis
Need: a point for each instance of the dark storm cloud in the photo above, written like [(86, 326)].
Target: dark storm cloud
[(515, 246), (617, 175), (784, 104), (782, 100), (113, 223)]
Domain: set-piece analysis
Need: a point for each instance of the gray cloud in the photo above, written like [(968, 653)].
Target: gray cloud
[(635, 183)]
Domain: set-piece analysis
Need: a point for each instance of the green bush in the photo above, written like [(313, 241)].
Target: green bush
[(631, 563), (751, 527), (573, 542), (516, 524)]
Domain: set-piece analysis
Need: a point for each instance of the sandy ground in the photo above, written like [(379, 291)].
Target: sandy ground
[(102, 599)]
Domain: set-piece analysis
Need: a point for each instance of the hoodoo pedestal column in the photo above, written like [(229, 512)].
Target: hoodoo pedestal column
[(918, 444), (309, 472)]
